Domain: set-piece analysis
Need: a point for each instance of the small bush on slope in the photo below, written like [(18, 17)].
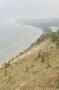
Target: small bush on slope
[(55, 38), (57, 82)]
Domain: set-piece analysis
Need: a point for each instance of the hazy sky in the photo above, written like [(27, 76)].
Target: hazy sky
[(29, 8)]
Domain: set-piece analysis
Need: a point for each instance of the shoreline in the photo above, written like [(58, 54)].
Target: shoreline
[(13, 59), (20, 48), (20, 53)]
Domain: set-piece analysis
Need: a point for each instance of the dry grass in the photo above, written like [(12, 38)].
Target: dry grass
[(28, 72)]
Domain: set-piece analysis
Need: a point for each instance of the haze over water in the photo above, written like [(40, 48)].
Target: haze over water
[(14, 38)]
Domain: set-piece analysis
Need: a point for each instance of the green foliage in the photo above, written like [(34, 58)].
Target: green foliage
[(48, 65), (39, 56), (5, 72), (57, 83), (44, 56), (55, 38), (6, 65), (58, 31), (9, 79), (53, 35), (43, 37), (57, 42)]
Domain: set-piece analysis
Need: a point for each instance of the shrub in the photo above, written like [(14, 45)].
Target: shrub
[(45, 56), (5, 72), (6, 65), (57, 83), (57, 43), (48, 65), (39, 56), (9, 79), (55, 38)]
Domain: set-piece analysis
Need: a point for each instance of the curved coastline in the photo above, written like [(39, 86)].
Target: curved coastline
[(22, 52)]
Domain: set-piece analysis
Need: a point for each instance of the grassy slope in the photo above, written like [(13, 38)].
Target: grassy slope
[(38, 70)]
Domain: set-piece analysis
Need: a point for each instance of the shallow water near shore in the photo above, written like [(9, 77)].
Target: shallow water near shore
[(15, 38)]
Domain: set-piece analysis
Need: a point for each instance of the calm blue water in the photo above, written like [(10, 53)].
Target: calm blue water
[(14, 38)]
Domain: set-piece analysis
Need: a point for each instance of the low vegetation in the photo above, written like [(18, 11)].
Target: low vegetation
[(55, 38), (39, 70), (57, 82)]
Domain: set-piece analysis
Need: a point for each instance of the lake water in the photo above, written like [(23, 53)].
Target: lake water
[(14, 38)]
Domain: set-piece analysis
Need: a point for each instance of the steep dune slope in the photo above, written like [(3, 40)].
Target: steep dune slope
[(36, 69)]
